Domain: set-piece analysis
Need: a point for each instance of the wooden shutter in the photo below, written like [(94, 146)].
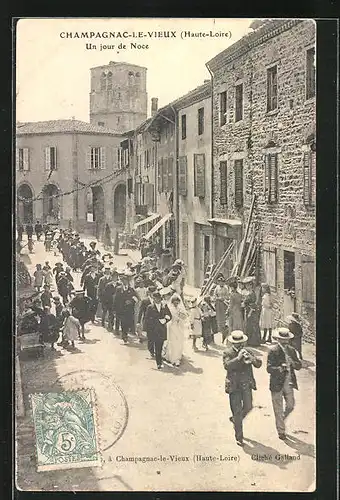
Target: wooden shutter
[(47, 158), (223, 183), (306, 179), (308, 288), (184, 243), (199, 170), (313, 177), (273, 178), (165, 174), (170, 174), (238, 172), (269, 266), (266, 178), (182, 176), (102, 157), (17, 162), (89, 158), (26, 165), (160, 175)]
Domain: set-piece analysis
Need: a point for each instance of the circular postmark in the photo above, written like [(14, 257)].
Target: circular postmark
[(112, 408)]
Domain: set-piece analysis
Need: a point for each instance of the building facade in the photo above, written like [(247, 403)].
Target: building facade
[(118, 97), (264, 144), (71, 170), (194, 181)]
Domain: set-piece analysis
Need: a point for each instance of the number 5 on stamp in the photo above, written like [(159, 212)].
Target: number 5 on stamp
[(65, 430)]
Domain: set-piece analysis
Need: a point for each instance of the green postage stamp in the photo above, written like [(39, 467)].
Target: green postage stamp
[(65, 430)]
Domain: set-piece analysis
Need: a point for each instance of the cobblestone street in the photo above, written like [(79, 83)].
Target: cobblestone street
[(176, 412)]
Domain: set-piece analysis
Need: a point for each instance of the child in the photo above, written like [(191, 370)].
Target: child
[(38, 277), (195, 315), (46, 297), (48, 276), (208, 321), (72, 328)]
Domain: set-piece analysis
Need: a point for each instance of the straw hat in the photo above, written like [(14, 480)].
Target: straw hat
[(282, 333), (237, 337)]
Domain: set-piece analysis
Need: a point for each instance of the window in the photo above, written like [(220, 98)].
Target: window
[(96, 158), (103, 81), (269, 266), (119, 158), (109, 81), (23, 159), (288, 270), (165, 175), (183, 175), (239, 102), (238, 172), (309, 178), (308, 287), (101, 124), (126, 157), (271, 178), (223, 183), (199, 175), (310, 73), (200, 121), (184, 126), (223, 108), (50, 158), (272, 88)]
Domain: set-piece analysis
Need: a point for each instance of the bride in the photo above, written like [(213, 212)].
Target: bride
[(176, 330)]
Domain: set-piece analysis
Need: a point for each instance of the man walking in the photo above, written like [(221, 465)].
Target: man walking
[(90, 286), (156, 317), (103, 281), (282, 362), (38, 230), (240, 381), (125, 299), (145, 303), (29, 230)]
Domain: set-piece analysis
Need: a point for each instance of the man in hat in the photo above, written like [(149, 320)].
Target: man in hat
[(141, 313), (107, 300), (240, 381), (282, 362), (156, 317), (103, 281), (295, 327), (124, 304), (91, 281), (38, 230)]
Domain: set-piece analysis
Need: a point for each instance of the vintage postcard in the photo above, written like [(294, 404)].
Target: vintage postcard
[(165, 254)]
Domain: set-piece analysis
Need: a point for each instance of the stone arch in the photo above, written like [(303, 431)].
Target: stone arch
[(25, 205), (119, 204)]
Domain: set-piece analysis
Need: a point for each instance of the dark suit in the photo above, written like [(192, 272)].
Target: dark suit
[(239, 384), (155, 330), (124, 305), (103, 281), (90, 286), (140, 319), (282, 382)]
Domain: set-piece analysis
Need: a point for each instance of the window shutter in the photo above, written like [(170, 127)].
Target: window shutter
[(223, 183), (26, 159), (89, 157), (165, 175), (47, 158), (273, 178), (238, 171), (269, 266), (308, 289), (160, 175), (182, 176), (55, 158), (102, 157), (17, 159), (199, 166), (313, 177), (266, 178), (306, 179), (170, 174)]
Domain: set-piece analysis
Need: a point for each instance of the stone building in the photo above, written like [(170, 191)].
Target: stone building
[(194, 181), (264, 144), (71, 170), (118, 98)]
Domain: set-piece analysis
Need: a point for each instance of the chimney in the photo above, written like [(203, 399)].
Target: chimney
[(154, 105)]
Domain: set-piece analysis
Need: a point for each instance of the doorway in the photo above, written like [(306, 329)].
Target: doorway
[(288, 283), (51, 207), (119, 205), (25, 204)]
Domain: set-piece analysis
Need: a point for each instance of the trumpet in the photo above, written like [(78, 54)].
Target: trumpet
[(247, 356)]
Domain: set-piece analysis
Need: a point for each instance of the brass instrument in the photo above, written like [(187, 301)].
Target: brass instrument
[(247, 356)]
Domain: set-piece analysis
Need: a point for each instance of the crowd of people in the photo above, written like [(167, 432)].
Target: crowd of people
[(145, 302)]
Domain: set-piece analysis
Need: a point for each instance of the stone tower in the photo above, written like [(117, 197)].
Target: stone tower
[(118, 98)]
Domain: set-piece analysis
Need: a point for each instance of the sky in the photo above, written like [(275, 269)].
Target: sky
[(53, 73)]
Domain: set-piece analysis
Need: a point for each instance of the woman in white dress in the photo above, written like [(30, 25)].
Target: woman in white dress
[(195, 315), (71, 329), (177, 329)]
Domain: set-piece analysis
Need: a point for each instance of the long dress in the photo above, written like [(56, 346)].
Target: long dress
[(266, 318), (72, 328), (235, 312), (195, 316), (221, 295), (252, 327), (48, 279), (176, 334)]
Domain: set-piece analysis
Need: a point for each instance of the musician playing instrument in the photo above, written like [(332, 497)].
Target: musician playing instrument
[(240, 382)]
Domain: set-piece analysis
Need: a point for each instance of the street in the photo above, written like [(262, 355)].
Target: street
[(176, 413)]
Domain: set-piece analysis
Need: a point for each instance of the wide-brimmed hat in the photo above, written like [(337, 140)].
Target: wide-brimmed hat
[(237, 336), (166, 291), (282, 333)]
